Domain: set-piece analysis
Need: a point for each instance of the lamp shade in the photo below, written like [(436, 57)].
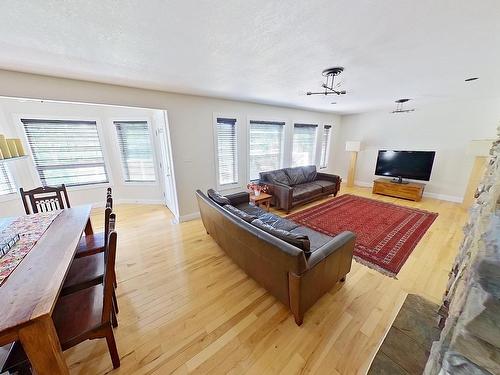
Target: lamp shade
[(353, 146), (479, 147)]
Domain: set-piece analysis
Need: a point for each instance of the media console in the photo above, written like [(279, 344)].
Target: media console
[(412, 190)]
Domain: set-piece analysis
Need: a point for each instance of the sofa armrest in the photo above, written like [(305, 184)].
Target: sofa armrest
[(282, 195), (330, 177), (342, 240), (238, 198)]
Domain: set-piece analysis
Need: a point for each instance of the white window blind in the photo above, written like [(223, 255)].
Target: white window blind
[(66, 152), (266, 147), (136, 151), (304, 142), (6, 181), (325, 146), (227, 151)]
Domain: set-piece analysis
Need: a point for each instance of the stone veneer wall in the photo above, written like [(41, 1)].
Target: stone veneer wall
[(470, 339)]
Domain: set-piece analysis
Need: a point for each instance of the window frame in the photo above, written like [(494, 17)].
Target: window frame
[(102, 140), (239, 183), (327, 149), (284, 148), (116, 142), (317, 126)]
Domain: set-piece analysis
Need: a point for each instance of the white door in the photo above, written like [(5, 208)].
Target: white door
[(165, 165)]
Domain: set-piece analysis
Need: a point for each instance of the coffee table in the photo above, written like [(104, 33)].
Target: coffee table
[(262, 199)]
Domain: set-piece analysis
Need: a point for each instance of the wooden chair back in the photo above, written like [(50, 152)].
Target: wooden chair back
[(109, 271), (109, 194), (44, 199), (107, 213)]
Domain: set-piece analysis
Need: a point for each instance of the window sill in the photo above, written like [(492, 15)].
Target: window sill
[(89, 187), (139, 183), (229, 187)]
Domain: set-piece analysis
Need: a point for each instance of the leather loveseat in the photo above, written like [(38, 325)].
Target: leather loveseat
[(291, 187), (294, 263)]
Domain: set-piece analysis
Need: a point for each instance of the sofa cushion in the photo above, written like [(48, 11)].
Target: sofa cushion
[(277, 222), (278, 176), (309, 173), (217, 197), (316, 239), (327, 186), (306, 191), (251, 209), (301, 175), (296, 176), (297, 240), (241, 214)]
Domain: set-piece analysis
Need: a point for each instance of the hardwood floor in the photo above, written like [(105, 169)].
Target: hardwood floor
[(186, 308)]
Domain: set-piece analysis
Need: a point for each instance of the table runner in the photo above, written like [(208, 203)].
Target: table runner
[(30, 228)]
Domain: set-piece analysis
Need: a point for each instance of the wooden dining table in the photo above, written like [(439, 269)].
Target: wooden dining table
[(28, 296)]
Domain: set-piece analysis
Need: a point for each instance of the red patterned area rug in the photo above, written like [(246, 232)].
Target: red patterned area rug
[(386, 233)]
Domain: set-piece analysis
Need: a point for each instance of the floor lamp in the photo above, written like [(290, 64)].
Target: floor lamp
[(480, 150), (353, 147)]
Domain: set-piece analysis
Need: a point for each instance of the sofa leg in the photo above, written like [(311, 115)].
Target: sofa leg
[(298, 320), (342, 279), (294, 295)]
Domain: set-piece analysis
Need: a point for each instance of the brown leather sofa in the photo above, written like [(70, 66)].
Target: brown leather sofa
[(294, 263), (291, 187)]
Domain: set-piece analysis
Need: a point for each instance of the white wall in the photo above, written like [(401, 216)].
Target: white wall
[(446, 127), (24, 172), (190, 120)]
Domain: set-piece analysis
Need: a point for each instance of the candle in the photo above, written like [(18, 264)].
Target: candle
[(19, 146), (4, 147), (11, 143)]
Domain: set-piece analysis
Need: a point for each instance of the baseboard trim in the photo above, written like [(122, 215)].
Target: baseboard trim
[(130, 201), (442, 197), (189, 217)]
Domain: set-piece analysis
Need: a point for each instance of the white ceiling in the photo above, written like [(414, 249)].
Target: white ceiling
[(268, 51)]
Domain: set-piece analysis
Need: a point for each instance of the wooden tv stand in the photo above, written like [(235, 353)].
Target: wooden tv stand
[(412, 191)]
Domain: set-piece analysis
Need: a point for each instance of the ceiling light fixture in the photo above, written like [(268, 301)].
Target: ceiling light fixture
[(329, 85), (400, 105), (471, 79)]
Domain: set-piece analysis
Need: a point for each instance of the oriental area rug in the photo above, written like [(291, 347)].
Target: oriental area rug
[(386, 233)]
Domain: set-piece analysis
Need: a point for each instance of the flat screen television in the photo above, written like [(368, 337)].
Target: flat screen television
[(415, 165)]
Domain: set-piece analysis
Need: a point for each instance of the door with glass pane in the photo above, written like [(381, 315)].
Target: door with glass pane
[(165, 164)]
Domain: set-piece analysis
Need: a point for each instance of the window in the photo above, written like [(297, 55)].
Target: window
[(304, 144), (6, 181), (227, 151), (266, 147), (136, 151), (66, 152), (325, 146)]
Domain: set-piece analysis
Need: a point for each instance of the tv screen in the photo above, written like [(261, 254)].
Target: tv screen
[(416, 165)]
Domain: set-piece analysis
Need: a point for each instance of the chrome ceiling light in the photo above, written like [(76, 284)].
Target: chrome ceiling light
[(329, 85), (400, 106)]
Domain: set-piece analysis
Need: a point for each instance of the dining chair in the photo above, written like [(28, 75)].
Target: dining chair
[(44, 199), (86, 272), (91, 244), (84, 315)]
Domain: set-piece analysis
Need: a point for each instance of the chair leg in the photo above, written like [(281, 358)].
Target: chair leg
[(115, 303), (114, 321), (113, 351)]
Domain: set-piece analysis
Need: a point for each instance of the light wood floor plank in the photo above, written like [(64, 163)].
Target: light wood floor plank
[(185, 308)]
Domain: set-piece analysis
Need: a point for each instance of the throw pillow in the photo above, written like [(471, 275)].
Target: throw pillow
[(297, 240), (217, 197), (237, 212)]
